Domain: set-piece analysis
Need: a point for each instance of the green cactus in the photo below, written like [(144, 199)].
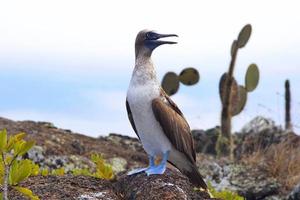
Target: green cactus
[(242, 100), (189, 76), (171, 81), (244, 36), (288, 123), (234, 96), (252, 77)]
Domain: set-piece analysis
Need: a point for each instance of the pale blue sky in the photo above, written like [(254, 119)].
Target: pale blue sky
[(70, 62)]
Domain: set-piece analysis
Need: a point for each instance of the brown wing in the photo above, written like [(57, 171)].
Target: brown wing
[(129, 114), (174, 125)]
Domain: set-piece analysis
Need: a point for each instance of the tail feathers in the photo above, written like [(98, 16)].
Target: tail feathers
[(180, 161)]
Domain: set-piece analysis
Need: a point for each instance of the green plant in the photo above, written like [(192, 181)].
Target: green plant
[(14, 169), (234, 96), (58, 171), (224, 194), (171, 81), (103, 170), (288, 123)]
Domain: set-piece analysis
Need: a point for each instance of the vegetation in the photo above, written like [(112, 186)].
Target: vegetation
[(171, 81), (288, 123), (280, 161), (103, 170), (234, 96), (14, 169), (224, 194)]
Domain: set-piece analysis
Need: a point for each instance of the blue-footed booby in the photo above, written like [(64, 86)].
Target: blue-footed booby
[(155, 118)]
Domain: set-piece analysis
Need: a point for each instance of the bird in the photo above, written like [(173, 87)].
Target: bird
[(156, 119)]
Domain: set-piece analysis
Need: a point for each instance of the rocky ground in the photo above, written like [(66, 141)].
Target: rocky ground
[(260, 170)]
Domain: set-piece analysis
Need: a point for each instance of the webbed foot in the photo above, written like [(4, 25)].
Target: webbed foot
[(137, 171), (160, 169)]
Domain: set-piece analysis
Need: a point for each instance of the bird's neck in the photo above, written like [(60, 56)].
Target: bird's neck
[(144, 70)]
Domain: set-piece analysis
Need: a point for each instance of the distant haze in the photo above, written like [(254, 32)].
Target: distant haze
[(70, 62)]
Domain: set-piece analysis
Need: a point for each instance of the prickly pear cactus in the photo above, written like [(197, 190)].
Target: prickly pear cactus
[(234, 96), (244, 36), (252, 77), (189, 76), (171, 81), (242, 100)]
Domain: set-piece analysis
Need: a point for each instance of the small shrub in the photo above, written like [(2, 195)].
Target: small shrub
[(103, 170), (224, 194), (14, 169), (58, 172)]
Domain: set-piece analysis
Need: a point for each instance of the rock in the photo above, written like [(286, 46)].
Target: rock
[(252, 183), (125, 141), (248, 181), (170, 186), (295, 194), (259, 133), (205, 141), (259, 124), (68, 187), (78, 146), (36, 153), (118, 164)]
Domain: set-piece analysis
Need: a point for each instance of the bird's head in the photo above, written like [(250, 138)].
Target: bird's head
[(146, 41)]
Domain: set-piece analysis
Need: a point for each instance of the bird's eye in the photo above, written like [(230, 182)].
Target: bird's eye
[(151, 36)]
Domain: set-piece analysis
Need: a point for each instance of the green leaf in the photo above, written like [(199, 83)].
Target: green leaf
[(20, 136), (252, 77), (84, 172), (58, 172), (10, 143), (2, 168), (45, 172), (3, 140), (244, 36), (25, 147), (17, 146), (170, 83), (224, 194), (103, 170), (20, 170), (27, 192), (189, 76)]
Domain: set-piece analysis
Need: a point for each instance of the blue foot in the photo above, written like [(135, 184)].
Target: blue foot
[(136, 171), (161, 168)]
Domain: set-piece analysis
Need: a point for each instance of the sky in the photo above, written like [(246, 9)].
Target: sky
[(70, 62)]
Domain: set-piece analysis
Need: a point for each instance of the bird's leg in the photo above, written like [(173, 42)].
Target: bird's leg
[(151, 165), (159, 169)]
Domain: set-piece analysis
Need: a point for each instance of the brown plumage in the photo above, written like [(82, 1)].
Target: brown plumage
[(178, 131), (155, 118)]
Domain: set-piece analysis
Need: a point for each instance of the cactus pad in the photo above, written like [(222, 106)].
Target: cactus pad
[(189, 76), (244, 36), (234, 90), (252, 77), (170, 83), (241, 100)]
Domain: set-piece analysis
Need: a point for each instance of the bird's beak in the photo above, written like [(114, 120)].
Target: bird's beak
[(160, 42)]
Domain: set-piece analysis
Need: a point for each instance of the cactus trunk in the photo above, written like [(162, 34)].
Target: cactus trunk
[(226, 114), (288, 124)]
